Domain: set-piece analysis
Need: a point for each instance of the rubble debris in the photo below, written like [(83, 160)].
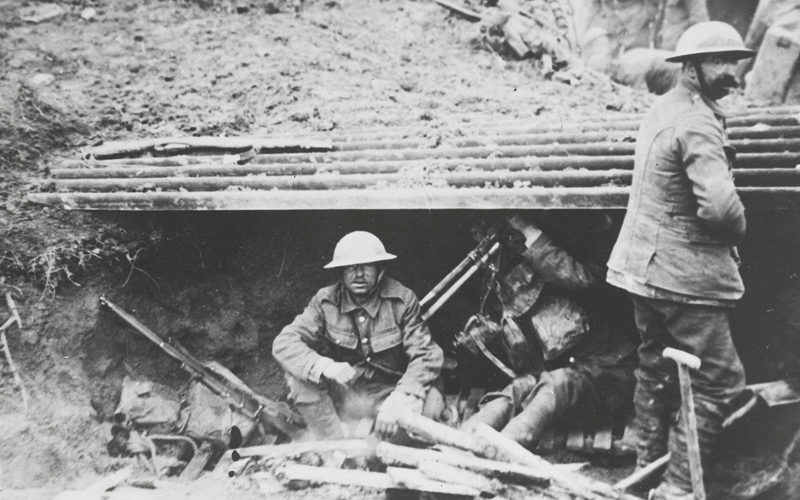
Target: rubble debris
[(42, 79), (89, 14), (42, 12)]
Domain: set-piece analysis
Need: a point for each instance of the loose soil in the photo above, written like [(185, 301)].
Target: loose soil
[(225, 283)]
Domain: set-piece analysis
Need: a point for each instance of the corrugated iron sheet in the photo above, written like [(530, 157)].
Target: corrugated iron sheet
[(477, 164)]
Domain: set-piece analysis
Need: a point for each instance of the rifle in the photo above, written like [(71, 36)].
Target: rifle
[(260, 409), (474, 261)]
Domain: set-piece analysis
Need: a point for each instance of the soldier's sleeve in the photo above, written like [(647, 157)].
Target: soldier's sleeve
[(700, 146), (425, 357), (555, 266), (293, 347)]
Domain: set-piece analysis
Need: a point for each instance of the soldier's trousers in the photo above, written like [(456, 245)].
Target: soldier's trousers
[(326, 405), (528, 407), (700, 330)]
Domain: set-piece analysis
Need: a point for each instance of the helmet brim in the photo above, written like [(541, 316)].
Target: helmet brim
[(738, 53), (351, 262)]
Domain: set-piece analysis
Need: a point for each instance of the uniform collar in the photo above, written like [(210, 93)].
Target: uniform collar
[(694, 93), (387, 289)]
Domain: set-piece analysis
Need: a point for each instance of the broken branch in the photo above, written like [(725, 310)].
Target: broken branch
[(13, 366)]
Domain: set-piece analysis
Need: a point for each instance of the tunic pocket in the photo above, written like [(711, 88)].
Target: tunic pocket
[(342, 337), (386, 338)]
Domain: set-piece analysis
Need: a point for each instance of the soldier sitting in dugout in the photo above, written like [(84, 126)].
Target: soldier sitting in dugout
[(584, 375), (360, 348)]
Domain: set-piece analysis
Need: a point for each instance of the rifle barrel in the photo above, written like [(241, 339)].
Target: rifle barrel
[(475, 254), (460, 282)]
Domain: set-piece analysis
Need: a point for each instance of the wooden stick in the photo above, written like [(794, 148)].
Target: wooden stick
[(364, 479), (433, 432), (642, 474), (446, 473), (413, 479), (13, 367), (350, 447), (391, 454), (394, 478), (573, 482), (13, 308)]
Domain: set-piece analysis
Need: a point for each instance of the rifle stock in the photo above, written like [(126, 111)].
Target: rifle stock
[(276, 415)]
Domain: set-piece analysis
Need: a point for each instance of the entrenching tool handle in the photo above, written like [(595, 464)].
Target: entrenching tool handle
[(682, 358), (686, 361)]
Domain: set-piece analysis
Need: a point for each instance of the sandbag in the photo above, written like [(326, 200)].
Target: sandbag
[(207, 416), (559, 323), (148, 405)]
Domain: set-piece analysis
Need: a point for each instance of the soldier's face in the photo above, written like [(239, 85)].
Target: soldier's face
[(719, 72), (361, 279)]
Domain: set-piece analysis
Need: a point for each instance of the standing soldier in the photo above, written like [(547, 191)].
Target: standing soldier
[(676, 252), (360, 348)]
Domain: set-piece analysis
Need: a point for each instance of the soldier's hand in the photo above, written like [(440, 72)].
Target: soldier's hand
[(529, 230), (386, 421), (341, 373)]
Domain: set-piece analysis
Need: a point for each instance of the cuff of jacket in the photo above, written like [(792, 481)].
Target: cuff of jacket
[(536, 247), (313, 371), (412, 388)]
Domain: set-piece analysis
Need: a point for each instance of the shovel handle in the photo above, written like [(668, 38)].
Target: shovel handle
[(682, 358)]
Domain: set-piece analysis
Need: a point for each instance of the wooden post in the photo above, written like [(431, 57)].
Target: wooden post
[(433, 432)]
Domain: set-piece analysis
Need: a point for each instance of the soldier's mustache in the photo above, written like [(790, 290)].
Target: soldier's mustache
[(726, 81)]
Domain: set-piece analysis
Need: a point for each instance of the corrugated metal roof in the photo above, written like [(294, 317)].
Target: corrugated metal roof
[(478, 164)]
